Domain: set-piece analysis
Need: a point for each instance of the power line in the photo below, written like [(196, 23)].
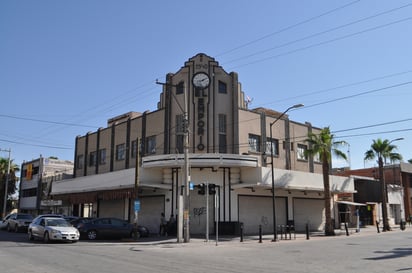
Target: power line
[(374, 125), (358, 94), (37, 145), (288, 28), (376, 133), (319, 33), (323, 42), (47, 121), (341, 86)]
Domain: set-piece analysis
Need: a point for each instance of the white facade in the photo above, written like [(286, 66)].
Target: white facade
[(36, 181)]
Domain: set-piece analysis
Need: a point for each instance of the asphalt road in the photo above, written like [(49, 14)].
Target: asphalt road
[(367, 251)]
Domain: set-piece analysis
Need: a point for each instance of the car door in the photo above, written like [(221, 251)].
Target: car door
[(120, 228), (103, 227), (38, 228)]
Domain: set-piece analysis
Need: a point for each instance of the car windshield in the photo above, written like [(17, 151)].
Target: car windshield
[(57, 223)]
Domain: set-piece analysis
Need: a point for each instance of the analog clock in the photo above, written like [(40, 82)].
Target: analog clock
[(201, 80)]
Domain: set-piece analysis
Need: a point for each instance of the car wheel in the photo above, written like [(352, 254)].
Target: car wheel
[(135, 235), (46, 238), (31, 238), (92, 234)]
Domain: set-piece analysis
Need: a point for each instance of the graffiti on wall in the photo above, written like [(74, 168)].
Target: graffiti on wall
[(198, 212)]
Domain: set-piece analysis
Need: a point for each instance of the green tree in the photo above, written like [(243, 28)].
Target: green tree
[(12, 185), (324, 146), (383, 150)]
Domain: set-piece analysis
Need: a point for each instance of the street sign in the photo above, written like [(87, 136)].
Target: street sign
[(137, 205), (191, 186)]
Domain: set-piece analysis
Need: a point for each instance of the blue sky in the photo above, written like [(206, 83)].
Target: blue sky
[(68, 66)]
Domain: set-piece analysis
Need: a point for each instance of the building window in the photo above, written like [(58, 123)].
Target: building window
[(254, 143), (92, 159), (29, 193), (316, 158), (179, 133), (120, 151), (102, 156), (222, 134), (80, 162), (301, 152), (180, 88), (151, 145), (222, 87), (272, 144), (133, 151)]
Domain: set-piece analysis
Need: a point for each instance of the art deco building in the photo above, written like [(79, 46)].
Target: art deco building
[(229, 146)]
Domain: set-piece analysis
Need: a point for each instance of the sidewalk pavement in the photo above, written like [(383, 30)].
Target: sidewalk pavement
[(282, 238)]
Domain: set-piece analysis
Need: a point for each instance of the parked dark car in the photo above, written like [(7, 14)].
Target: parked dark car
[(108, 228), (75, 221)]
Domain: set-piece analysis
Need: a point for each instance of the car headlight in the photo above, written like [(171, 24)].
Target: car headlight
[(53, 231)]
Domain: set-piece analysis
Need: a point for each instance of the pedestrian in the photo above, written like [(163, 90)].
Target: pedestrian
[(163, 225)]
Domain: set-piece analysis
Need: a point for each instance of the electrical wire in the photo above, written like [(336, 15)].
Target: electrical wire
[(288, 28), (319, 33), (323, 42)]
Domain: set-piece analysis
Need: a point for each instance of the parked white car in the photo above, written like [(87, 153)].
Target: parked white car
[(53, 229), (19, 222), (4, 221)]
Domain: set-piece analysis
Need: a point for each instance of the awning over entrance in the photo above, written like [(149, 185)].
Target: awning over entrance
[(350, 203), (118, 180)]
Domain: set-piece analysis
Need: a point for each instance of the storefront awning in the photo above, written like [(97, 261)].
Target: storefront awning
[(350, 203)]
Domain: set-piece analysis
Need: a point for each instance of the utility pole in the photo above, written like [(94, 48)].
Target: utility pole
[(136, 188), (183, 231), (186, 169), (7, 183)]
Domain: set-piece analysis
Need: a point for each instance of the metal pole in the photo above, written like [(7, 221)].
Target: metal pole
[(186, 167), (183, 233), (207, 211), (275, 235), (136, 188), (217, 200), (7, 183)]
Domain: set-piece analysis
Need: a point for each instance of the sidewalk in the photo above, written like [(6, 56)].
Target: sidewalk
[(225, 239)]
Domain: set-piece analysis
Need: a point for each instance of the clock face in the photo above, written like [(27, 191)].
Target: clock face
[(201, 80)]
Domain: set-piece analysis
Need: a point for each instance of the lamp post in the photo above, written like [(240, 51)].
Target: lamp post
[(275, 234), (7, 183), (386, 226)]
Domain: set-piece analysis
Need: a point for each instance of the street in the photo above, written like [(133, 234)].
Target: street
[(367, 251)]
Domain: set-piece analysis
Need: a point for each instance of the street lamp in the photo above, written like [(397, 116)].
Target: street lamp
[(275, 234)]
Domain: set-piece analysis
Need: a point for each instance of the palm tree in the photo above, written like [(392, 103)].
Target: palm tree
[(12, 185), (383, 149), (323, 144)]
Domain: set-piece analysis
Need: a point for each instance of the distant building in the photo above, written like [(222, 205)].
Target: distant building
[(229, 147), (398, 180), (37, 177)]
